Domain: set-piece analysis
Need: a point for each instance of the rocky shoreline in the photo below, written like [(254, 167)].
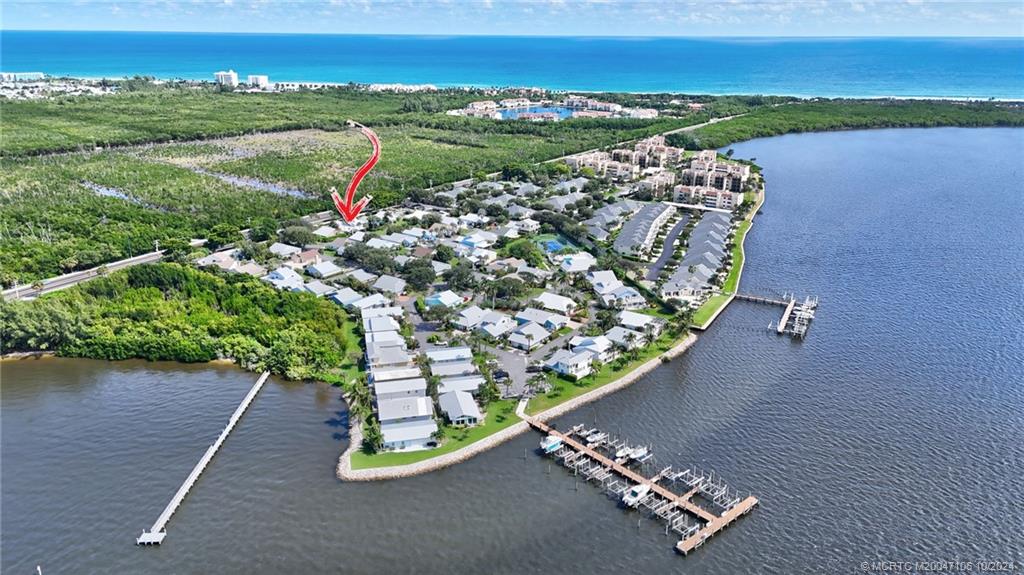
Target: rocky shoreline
[(346, 473)]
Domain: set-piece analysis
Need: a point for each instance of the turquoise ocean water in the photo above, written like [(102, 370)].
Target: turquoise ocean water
[(933, 67)]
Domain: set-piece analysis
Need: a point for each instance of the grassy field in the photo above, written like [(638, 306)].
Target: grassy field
[(563, 390), (500, 414), (708, 309)]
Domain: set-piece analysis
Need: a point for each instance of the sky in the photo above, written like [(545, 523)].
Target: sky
[(529, 17)]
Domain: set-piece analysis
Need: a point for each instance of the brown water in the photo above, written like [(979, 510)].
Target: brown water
[(894, 432)]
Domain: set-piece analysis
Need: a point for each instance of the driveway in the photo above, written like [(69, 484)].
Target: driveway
[(666, 249)]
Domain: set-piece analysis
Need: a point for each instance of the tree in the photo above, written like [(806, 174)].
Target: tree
[(262, 229), (221, 235), (373, 439), (444, 253), (460, 277), (419, 273), (297, 236)]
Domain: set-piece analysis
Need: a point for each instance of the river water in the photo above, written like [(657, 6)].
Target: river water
[(895, 431)]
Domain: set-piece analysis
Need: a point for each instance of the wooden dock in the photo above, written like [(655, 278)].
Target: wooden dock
[(785, 316), (157, 532), (666, 503)]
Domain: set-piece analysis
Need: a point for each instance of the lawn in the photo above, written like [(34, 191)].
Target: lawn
[(500, 414), (564, 390), (706, 311)]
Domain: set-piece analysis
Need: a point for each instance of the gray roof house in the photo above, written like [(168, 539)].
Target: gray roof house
[(460, 408), (390, 284)]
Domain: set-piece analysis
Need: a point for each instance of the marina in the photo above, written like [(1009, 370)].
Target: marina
[(796, 317), (670, 496)]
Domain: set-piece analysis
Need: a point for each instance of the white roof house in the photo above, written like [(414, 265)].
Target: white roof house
[(603, 281), (382, 323), (318, 288), (638, 321), (362, 276), (405, 408), (470, 317), (399, 388), (387, 355), (326, 231), (380, 374), (459, 407), (467, 383), (285, 278), (578, 263), (453, 368), (602, 347), (549, 320), (384, 337), (283, 250), (555, 302), (408, 435), (390, 284), (447, 298), (528, 336), (625, 338), (496, 324), (371, 301), (449, 354), (388, 311), (324, 269), (570, 363), (346, 296)]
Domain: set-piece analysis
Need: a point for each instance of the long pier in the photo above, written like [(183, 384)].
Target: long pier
[(695, 523), (157, 532)]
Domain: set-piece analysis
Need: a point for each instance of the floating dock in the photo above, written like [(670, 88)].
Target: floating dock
[(157, 532), (598, 462)]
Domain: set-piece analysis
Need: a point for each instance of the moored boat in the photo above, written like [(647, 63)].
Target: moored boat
[(633, 497), (550, 444)]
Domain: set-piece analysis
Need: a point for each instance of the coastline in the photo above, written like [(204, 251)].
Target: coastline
[(345, 472), (739, 274)]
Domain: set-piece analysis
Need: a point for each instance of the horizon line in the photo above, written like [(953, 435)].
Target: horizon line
[(589, 36)]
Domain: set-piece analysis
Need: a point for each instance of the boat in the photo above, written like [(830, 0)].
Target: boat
[(633, 496), (623, 451), (596, 437), (550, 444), (638, 452)]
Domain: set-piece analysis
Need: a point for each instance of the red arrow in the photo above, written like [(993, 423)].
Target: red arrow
[(346, 208)]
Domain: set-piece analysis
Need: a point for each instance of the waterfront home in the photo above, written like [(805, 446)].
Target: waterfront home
[(362, 276), (407, 424), (345, 297), (390, 284), (284, 278), (324, 269), (638, 234), (580, 262), (570, 364), (467, 383), (400, 388), (283, 250), (549, 320), (600, 346), (555, 302), (390, 355), (371, 301), (459, 408), (625, 338), (641, 322), (446, 298)]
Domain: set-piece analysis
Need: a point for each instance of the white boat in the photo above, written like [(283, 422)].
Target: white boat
[(633, 497), (638, 452), (596, 437), (550, 444), (623, 451)]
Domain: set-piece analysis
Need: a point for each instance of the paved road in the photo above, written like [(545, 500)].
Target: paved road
[(74, 278), (667, 248)]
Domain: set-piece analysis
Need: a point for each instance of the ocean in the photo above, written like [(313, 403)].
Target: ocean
[(893, 432), (829, 67)]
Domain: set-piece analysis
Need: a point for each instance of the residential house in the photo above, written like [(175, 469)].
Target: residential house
[(528, 336), (571, 364), (407, 423), (446, 298), (324, 269), (345, 297), (638, 234), (400, 388), (555, 302), (460, 408), (600, 346), (449, 355), (390, 284), (284, 278), (283, 250)]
